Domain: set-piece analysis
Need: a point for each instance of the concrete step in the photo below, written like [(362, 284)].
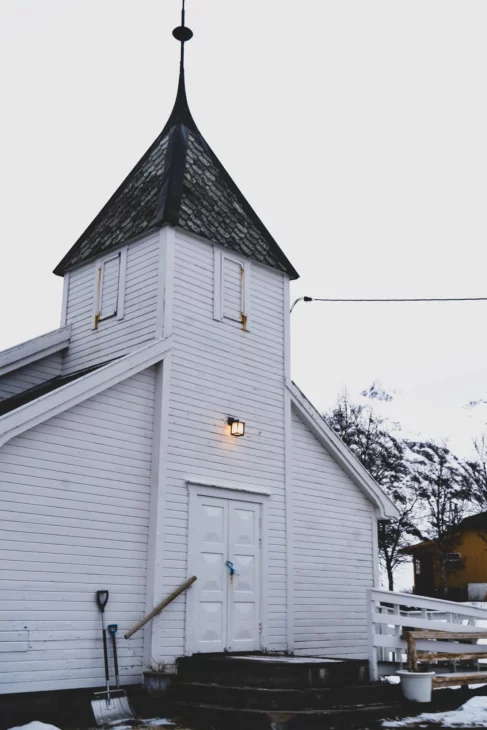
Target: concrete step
[(271, 671), (272, 698)]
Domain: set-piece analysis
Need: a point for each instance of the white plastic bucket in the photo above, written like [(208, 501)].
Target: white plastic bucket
[(417, 686)]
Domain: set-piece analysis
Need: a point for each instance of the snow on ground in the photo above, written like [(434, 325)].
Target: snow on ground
[(472, 714), (35, 726), (149, 723)]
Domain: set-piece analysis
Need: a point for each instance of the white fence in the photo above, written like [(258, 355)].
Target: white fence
[(390, 613)]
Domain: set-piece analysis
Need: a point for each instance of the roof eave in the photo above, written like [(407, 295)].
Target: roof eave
[(386, 508), (286, 265), (34, 349), (64, 265)]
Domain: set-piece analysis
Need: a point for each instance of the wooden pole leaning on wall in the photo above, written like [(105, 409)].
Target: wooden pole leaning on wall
[(160, 606)]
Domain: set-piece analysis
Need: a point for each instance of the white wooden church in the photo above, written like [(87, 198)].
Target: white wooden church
[(119, 467)]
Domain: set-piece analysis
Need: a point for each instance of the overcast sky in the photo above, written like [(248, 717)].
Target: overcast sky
[(356, 128)]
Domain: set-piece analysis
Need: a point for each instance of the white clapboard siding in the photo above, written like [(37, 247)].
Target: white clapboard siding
[(113, 337), (74, 518), (16, 381), (218, 370), (333, 553)]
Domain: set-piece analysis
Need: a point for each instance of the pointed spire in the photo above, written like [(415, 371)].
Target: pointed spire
[(179, 182), (180, 112)]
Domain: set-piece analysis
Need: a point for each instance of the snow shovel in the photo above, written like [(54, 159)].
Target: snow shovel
[(108, 707)]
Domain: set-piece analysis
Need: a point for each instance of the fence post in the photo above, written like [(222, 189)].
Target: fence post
[(397, 633), (373, 668), (473, 622)]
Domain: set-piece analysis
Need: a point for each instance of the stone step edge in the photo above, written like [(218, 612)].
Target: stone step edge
[(290, 713), (259, 660), (317, 688)]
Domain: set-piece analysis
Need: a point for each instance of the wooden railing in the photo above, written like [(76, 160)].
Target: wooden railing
[(390, 614), (160, 606)]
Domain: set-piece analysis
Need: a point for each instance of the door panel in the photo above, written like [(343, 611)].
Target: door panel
[(223, 609), (244, 551), (210, 624)]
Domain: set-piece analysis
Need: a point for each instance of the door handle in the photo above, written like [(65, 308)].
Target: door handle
[(231, 567)]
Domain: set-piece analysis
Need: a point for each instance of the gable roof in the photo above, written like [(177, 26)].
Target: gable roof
[(473, 522), (48, 386), (35, 349), (341, 454), (80, 387), (179, 182)]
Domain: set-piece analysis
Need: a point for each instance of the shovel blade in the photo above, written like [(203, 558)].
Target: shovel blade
[(108, 710)]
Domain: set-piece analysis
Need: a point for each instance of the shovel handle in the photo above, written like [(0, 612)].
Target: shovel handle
[(105, 657), (102, 600), (112, 630)]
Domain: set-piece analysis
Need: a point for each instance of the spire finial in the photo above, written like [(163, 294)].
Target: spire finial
[(180, 112), (182, 33)]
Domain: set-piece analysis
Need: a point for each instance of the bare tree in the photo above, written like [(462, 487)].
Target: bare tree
[(383, 455), (440, 485), (395, 535), (475, 473)]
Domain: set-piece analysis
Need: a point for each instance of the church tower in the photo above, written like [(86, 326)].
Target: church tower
[(177, 252)]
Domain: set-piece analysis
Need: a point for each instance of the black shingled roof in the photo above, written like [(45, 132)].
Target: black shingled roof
[(179, 181), (473, 522)]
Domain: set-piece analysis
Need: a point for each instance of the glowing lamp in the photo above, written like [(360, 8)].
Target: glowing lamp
[(237, 428)]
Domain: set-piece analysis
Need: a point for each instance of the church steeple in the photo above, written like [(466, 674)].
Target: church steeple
[(179, 182), (180, 112), (182, 34)]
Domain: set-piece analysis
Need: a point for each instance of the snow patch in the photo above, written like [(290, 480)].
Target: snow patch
[(376, 391), (472, 714), (475, 403), (35, 725)]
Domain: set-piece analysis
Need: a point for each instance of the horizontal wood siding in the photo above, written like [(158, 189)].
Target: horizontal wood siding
[(333, 553), (113, 337), (16, 381), (218, 370), (74, 515)]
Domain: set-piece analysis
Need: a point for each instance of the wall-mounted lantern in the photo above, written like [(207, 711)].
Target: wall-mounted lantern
[(237, 428)]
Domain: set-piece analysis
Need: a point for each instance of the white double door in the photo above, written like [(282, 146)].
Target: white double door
[(224, 554)]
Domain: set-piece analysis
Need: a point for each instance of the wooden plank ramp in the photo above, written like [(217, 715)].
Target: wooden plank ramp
[(459, 678)]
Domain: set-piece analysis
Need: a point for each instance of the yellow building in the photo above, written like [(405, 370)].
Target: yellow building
[(458, 569)]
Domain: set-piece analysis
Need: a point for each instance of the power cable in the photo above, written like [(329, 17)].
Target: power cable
[(383, 301)]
